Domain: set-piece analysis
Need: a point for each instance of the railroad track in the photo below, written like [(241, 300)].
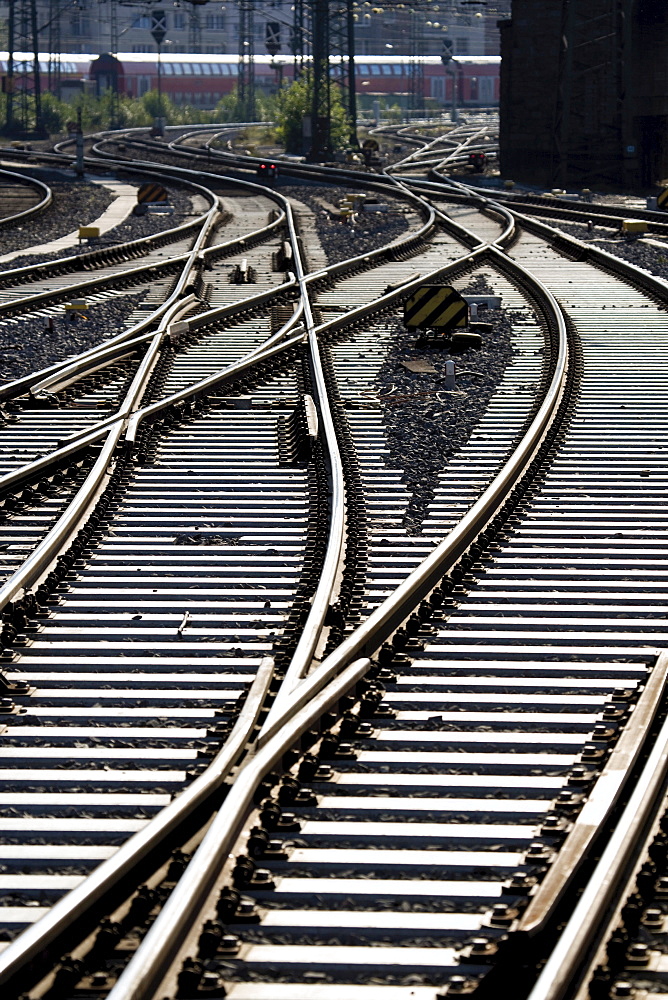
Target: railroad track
[(456, 699), (21, 197)]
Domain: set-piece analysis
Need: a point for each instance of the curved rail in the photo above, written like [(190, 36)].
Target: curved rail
[(337, 673), (50, 929), (343, 667), (565, 967), (26, 213), (328, 682)]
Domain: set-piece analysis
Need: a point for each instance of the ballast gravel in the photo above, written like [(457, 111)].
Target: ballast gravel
[(134, 227), (426, 424), (31, 344), (632, 249), (74, 202), (341, 240)]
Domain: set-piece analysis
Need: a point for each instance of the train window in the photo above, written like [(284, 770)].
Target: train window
[(196, 69), (486, 88), (363, 70), (206, 69), (167, 69), (375, 70), (234, 69), (398, 70), (178, 69), (387, 70)]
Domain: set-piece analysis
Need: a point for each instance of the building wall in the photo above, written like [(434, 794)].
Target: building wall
[(584, 93), (87, 28)]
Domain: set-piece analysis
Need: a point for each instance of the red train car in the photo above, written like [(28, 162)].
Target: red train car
[(201, 79)]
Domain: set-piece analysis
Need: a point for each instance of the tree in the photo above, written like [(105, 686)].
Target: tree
[(293, 103)]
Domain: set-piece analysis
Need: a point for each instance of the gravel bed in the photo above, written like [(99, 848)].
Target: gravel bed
[(71, 200), (29, 345), (427, 424), (635, 251), (134, 227), (341, 240)]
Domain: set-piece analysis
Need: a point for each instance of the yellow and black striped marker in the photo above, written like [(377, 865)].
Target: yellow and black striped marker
[(662, 199), (151, 192), (435, 307)]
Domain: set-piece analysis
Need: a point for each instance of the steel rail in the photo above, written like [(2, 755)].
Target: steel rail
[(587, 251), (75, 443), (331, 679), (44, 190), (259, 355), (581, 933), (601, 801), (572, 245), (46, 932), (205, 222), (19, 386), (150, 962), (329, 577), (118, 346), (84, 364), (104, 255), (315, 683), (387, 617), (132, 275), (41, 942), (82, 439), (325, 591), (41, 559)]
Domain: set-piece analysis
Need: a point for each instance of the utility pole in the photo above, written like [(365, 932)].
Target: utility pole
[(195, 26), (54, 47), (297, 38), (158, 31), (321, 144), (415, 67), (352, 92), (22, 81), (451, 67), (113, 50), (246, 87)]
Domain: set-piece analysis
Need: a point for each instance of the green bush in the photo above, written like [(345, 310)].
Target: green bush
[(293, 103)]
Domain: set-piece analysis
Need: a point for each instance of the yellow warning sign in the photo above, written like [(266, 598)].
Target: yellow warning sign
[(151, 192), (662, 200), (435, 307)]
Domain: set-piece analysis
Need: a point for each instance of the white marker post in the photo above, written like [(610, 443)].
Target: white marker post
[(450, 375)]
